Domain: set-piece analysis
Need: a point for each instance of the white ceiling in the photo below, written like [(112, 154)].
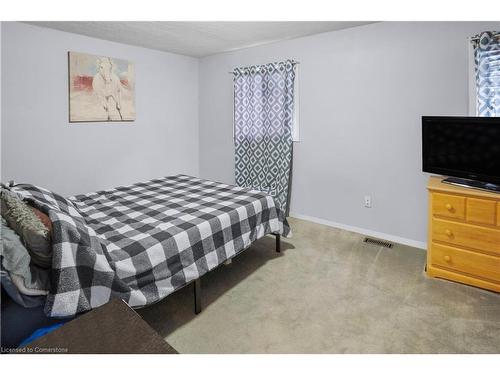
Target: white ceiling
[(197, 39)]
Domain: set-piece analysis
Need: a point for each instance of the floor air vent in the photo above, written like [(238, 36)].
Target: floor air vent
[(377, 242)]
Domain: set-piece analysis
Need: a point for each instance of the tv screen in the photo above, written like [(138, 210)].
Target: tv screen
[(466, 147)]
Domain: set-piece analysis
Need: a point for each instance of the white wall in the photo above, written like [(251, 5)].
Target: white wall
[(363, 91), (40, 146), (0, 91)]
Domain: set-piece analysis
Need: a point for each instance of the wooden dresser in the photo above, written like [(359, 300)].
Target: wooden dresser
[(464, 235)]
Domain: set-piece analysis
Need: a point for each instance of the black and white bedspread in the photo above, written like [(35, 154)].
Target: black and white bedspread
[(144, 241)]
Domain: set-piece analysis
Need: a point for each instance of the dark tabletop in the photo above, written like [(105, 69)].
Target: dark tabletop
[(113, 328)]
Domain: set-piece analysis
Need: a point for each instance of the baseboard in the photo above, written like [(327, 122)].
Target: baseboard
[(366, 232)]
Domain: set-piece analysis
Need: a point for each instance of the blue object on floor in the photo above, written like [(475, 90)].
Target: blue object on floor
[(39, 333), (18, 322)]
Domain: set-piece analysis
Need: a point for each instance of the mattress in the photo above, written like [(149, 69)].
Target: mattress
[(142, 242)]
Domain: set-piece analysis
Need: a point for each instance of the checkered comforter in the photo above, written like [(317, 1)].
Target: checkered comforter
[(144, 241)]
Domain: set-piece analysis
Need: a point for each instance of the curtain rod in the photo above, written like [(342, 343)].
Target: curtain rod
[(276, 62)]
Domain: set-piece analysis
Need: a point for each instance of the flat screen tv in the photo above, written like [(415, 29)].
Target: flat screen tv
[(465, 148)]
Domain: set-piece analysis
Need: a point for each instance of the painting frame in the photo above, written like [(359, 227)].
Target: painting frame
[(100, 89)]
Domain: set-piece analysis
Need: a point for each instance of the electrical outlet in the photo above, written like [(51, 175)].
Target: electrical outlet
[(368, 201)]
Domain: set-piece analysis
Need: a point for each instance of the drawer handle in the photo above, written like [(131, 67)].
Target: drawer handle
[(447, 258), (449, 207), (448, 232)]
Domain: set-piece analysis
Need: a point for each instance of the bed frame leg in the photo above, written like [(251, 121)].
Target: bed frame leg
[(197, 296), (278, 243)]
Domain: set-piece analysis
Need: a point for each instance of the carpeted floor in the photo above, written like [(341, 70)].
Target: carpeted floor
[(328, 292)]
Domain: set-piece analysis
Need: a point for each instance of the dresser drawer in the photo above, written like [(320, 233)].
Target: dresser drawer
[(481, 265), (471, 236), (448, 205), (481, 211), (498, 214)]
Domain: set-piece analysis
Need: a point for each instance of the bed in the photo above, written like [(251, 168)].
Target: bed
[(144, 241)]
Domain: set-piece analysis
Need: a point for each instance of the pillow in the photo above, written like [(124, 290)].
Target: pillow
[(30, 228), (43, 218), (23, 281)]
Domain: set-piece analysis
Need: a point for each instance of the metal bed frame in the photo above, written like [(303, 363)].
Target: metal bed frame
[(197, 283)]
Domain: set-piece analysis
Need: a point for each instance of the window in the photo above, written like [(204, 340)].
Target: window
[(263, 128), (484, 81)]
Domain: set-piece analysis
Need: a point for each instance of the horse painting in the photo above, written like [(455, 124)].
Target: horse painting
[(107, 86), (100, 88)]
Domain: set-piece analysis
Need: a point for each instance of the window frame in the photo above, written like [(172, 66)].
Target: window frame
[(471, 82)]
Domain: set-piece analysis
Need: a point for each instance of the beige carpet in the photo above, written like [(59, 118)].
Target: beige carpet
[(328, 292)]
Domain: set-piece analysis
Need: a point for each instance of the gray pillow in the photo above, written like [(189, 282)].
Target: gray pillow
[(29, 279), (33, 233)]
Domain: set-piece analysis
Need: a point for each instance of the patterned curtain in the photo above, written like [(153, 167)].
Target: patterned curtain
[(263, 109), (487, 61)]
